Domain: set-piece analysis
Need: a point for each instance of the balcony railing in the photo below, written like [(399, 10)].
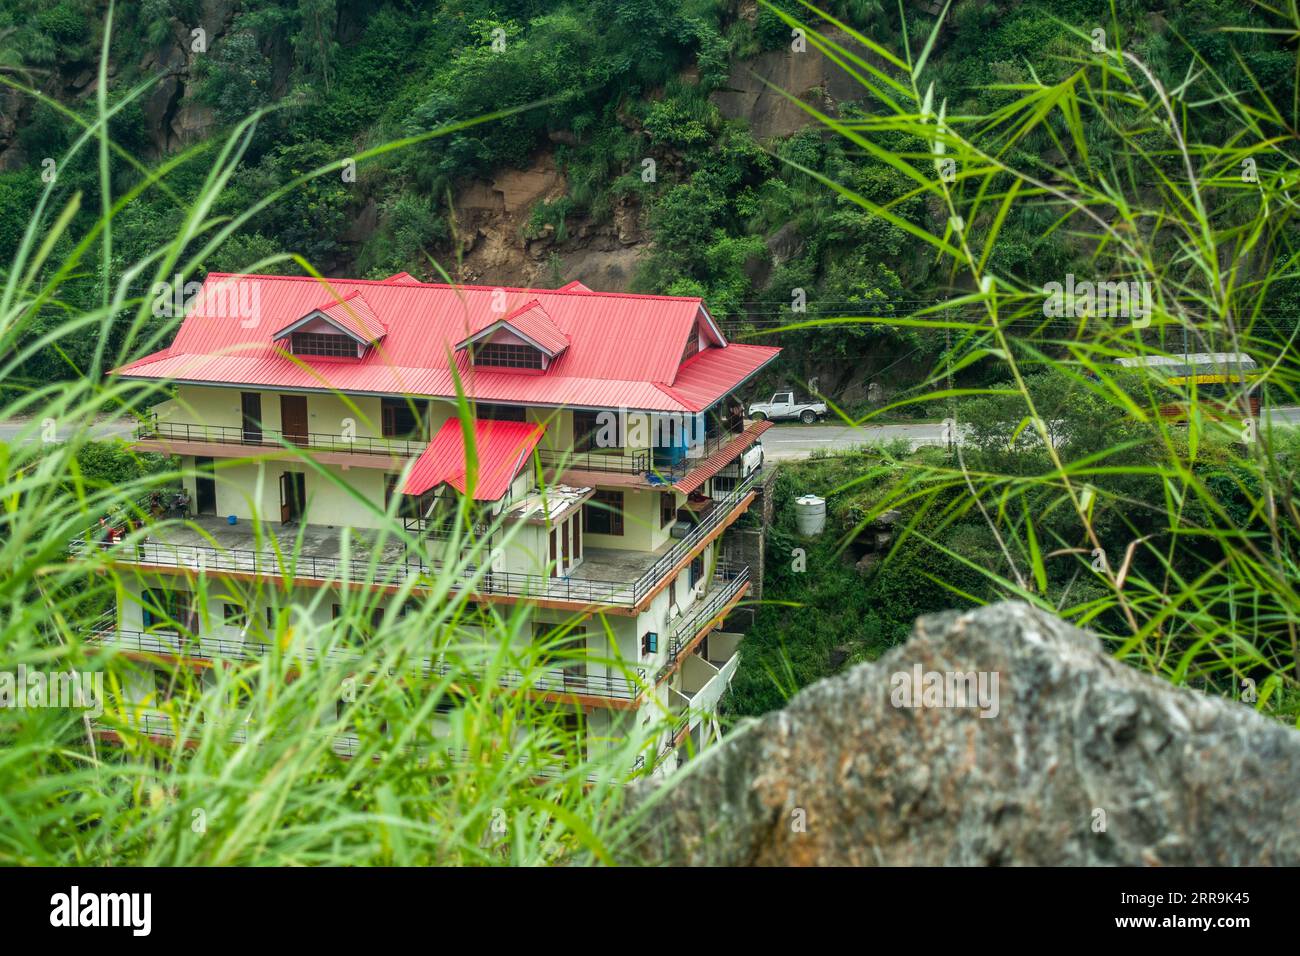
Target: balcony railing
[(206, 558), (632, 464), (276, 438), (344, 744), (728, 581), (440, 529), (561, 679), (210, 559), (722, 508), (569, 677), (636, 462)]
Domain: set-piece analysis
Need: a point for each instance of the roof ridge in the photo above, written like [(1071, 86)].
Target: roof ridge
[(527, 307), (354, 294), (443, 285)]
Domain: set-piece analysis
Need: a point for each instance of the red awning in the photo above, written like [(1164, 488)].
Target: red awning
[(500, 451), (724, 456)]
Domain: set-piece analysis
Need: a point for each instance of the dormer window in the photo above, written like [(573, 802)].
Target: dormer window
[(692, 344), (526, 339), (323, 343), (341, 328), (505, 355)]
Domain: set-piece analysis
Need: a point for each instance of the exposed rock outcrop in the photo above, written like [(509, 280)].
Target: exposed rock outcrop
[(1078, 760), (491, 218), (808, 75)]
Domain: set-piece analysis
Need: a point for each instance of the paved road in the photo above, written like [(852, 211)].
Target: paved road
[(783, 442), (11, 430)]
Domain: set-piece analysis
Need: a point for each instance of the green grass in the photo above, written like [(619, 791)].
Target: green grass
[(1198, 529), (1201, 530), (247, 773)]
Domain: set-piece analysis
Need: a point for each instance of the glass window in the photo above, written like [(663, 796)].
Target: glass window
[(585, 427), (502, 413), (323, 343), (603, 513), (504, 355), (667, 508), (399, 418)]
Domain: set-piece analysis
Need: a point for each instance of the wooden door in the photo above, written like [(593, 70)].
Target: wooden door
[(293, 418), (205, 487), (250, 404), (293, 487)]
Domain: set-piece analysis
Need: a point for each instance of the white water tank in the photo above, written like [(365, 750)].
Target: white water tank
[(810, 514)]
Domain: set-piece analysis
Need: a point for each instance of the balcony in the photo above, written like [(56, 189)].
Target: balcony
[(613, 461), (638, 462), (573, 679), (704, 679), (234, 435), (729, 583), (162, 726), (207, 544)]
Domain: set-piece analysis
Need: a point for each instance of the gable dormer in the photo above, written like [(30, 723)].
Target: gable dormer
[(525, 339), (339, 328)]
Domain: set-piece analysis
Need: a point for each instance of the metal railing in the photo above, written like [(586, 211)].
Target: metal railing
[(722, 508), (728, 581), (441, 528), (207, 558), (210, 559), (683, 721), (276, 438), (344, 745), (559, 679), (637, 462), (621, 462)]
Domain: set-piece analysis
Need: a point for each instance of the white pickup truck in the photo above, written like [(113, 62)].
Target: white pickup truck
[(783, 405)]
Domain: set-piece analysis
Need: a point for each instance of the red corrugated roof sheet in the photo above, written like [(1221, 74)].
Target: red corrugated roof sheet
[(530, 321), (697, 476), (624, 350), (500, 450), (351, 313), (355, 315), (707, 376)]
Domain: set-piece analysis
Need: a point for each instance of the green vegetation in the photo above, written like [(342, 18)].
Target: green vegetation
[(1177, 542), (1073, 487), (239, 764), (616, 83)]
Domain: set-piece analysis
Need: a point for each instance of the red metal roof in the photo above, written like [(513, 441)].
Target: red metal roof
[(351, 313), (530, 321), (697, 476), (498, 451), (709, 375), (624, 350)]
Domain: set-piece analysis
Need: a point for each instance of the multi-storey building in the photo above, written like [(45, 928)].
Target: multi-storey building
[(609, 458)]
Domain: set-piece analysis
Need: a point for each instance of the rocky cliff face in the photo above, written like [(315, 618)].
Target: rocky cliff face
[(174, 119), (754, 87), (1058, 755), (489, 220)]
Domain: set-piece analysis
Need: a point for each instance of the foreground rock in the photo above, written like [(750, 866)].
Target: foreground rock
[(1079, 760)]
